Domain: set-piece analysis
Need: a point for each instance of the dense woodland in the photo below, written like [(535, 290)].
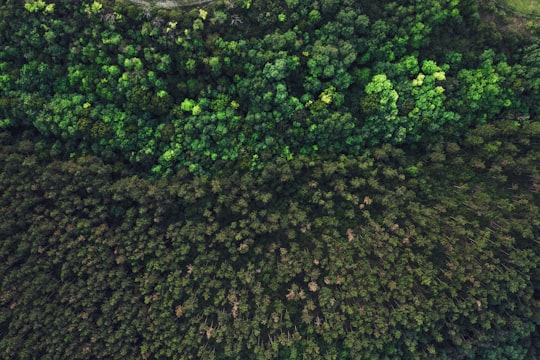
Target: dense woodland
[(248, 179)]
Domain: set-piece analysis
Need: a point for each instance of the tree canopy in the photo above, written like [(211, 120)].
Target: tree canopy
[(247, 179)]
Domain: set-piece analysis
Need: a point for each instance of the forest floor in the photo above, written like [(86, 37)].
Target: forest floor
[(171, 4), (528, 8), (511, 21)]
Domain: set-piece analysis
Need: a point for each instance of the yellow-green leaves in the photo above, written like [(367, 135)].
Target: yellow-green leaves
[(49, 9), (439, 75), (203, 13), (327, 95), (94, 8), (419, 81), (188, 105), (38, 5), (387, 95)]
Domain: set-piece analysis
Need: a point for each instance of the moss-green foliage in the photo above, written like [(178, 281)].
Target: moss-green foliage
[(268, 179), (348, 258)]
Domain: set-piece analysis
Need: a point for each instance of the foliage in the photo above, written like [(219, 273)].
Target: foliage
[(268, 179), (298, 83), (344, 256)]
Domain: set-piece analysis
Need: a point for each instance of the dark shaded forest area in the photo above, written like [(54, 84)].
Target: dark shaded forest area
[(269, 180)]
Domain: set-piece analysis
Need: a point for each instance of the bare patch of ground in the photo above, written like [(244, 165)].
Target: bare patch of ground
[(505, 19), (171, 4), (527, 8)]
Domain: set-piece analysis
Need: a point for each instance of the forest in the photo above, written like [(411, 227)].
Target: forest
[(286, 179)]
